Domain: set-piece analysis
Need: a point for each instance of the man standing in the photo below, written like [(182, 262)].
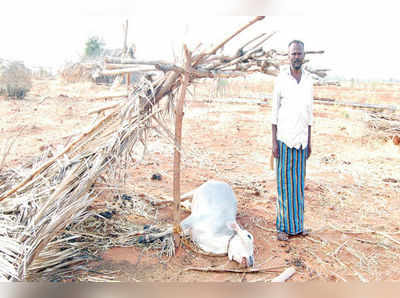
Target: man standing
[(291, 140)]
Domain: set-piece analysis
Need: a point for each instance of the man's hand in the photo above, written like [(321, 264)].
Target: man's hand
[(308, 151), (275, 151), (309, 142)]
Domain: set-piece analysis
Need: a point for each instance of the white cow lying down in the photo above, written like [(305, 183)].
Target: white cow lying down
[(212, 224)]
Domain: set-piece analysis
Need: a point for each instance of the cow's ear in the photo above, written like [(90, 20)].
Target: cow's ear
[(233, 225)]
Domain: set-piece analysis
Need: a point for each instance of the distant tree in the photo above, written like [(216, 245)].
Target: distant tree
[(94, 46)]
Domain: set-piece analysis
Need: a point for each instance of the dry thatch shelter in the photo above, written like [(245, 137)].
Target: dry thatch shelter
[(46, 226)]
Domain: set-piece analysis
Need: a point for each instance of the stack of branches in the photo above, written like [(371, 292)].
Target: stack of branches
[(386, 125), (39, 209), (250, 58), (15, 78)]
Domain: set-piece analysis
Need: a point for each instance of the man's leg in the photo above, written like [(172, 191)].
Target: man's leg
[(281, 204), (290, 186)]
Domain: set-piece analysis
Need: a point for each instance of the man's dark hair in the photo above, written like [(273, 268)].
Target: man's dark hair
[(296, 41)]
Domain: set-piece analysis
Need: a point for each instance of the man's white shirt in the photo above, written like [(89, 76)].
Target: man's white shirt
[(292, 105)]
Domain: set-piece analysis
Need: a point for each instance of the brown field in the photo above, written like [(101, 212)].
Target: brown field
[(352, 183)]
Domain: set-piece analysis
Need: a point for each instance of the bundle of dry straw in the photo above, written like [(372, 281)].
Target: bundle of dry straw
[(39, 209), (79, 72)]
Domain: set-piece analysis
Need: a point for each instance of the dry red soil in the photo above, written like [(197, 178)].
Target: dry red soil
[(352, 183)]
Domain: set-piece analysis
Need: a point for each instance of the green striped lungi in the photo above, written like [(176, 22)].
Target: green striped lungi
[(290, 171)]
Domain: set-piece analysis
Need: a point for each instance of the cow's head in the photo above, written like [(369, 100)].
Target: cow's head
[(240, 247)]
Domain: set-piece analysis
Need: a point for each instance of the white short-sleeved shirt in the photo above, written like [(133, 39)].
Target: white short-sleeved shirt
[(292, 105)]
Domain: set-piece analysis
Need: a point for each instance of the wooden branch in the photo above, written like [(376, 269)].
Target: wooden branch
[(128, 81), (317, 100), (110, 96), (124, 71), (168, 132), (248, 54), (132, 61), (102, 109), (263, 40), (306, 53), (201, 73), (251, 270), (167, 85), (249, 42), (109, 66), (285, 275), (212, 52), (178, 141), (259, 18), (125, 44), (10, 144), (149, 237), (357, 105)]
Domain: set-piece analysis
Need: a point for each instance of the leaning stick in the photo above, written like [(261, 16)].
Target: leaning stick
[(252, 270), (99, 110), (285, 275), (249, 42)]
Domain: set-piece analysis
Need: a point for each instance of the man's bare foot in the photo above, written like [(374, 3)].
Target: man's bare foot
[(282, 236), (305, 232)]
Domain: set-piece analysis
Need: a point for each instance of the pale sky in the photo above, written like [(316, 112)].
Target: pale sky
[(360, 39)]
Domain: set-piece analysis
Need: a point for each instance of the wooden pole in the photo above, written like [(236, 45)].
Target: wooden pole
[(128, 81), (125, 45), (178, 142), (125, 51)]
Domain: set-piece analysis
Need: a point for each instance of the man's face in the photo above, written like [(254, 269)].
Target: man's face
[(296, 56)]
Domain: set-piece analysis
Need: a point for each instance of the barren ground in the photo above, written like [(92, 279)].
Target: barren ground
[(352, 183)]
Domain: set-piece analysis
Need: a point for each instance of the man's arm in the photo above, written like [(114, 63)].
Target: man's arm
[(309, 142), (276, 102), (310, 119), (275, 151)]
